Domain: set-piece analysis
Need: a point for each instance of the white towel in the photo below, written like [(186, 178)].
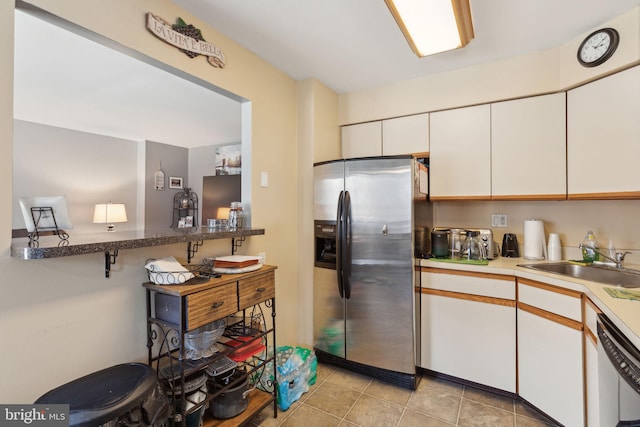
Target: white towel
[(167, 271)]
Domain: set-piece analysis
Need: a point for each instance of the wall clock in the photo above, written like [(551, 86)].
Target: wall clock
[(598, 47)]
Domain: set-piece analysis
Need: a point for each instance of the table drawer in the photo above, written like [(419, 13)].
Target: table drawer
[(257, 289), (212, 304)]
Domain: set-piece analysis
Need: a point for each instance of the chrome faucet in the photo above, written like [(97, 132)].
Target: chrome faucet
[(617, 262)]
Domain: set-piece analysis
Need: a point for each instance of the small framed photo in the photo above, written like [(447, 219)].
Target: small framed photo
[(175, 182), (188, 221)]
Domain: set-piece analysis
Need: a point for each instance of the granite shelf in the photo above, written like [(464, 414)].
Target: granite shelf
[(80, 244)]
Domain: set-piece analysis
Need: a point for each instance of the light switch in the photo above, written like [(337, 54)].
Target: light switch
[(264, 179)]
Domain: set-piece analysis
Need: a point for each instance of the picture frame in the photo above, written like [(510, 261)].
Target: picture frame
[(228, 159), (175, 182)]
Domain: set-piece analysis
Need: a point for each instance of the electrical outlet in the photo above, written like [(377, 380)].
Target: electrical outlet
[(499, 220)]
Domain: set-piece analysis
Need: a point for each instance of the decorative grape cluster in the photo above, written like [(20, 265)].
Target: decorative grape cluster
[(190, 31)]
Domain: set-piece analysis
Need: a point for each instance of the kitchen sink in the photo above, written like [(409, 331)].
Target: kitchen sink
[(610, 276)]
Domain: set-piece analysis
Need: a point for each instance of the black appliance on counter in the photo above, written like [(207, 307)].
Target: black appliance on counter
[(510, 246)]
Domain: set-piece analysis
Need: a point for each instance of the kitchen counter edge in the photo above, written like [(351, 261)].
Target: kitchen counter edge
[(81, 244)]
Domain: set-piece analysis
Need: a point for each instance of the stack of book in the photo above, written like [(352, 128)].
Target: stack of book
[(235, 262)]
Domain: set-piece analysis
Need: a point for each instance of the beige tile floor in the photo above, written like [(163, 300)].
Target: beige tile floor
[(342, 398)]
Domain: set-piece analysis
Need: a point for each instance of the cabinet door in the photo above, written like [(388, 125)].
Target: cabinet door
[(528, 148), (405, 135), (362, 140), (468, 339), (468, 326), (460, 154), (591, 363), (602, 137), (550, 375), (593, 395)]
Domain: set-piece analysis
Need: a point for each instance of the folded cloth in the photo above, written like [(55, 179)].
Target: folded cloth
[(167, 271)]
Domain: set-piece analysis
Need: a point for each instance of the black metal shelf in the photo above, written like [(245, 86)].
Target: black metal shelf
[(168, 341)]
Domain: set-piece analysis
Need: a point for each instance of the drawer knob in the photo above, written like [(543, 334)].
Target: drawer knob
[(260, 289), (217, 304)]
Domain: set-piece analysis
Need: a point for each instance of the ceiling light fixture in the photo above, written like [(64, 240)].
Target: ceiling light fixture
[(433, 26)]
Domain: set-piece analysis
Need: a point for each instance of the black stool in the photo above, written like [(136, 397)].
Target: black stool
[(128, 391)]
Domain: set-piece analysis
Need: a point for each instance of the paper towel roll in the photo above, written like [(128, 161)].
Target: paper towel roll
[(535, 246)]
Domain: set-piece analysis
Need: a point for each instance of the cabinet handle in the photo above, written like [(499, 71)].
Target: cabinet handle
[(260, 289), (217, 304)]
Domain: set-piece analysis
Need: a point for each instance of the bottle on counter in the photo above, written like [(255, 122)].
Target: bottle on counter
[(236, 215), (589, 247)]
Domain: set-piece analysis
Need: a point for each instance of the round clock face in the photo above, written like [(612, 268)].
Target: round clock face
[(598, 47)]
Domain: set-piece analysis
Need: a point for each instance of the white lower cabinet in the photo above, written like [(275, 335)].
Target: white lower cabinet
[(468, 327), (550, 351), (593, 396)]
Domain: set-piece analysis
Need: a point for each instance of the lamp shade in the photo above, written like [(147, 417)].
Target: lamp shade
[(109, 213), (223, 213)]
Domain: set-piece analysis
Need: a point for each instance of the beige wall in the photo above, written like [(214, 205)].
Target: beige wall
[(61, 318), (318, 140)]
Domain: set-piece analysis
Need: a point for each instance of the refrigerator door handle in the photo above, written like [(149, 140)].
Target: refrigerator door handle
[(339, 245), (347, 245)]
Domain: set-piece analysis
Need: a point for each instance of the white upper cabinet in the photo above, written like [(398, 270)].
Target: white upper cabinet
[(528, 148), (391, 137), (603, 134), (362, 140), (460, 153), (405, 135)]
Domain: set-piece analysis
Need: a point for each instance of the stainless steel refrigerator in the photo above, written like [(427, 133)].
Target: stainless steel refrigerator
[(364, 299)]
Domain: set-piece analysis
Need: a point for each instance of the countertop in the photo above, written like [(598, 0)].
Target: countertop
[(80, 244), (624, 313)]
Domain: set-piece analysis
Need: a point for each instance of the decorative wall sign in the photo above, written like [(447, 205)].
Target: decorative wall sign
[(159, 177), (185, 37)]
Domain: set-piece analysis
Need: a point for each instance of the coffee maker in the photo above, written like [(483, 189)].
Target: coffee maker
[(458, 235)]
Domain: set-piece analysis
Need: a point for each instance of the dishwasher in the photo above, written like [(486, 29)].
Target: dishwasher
[(618, 377)]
